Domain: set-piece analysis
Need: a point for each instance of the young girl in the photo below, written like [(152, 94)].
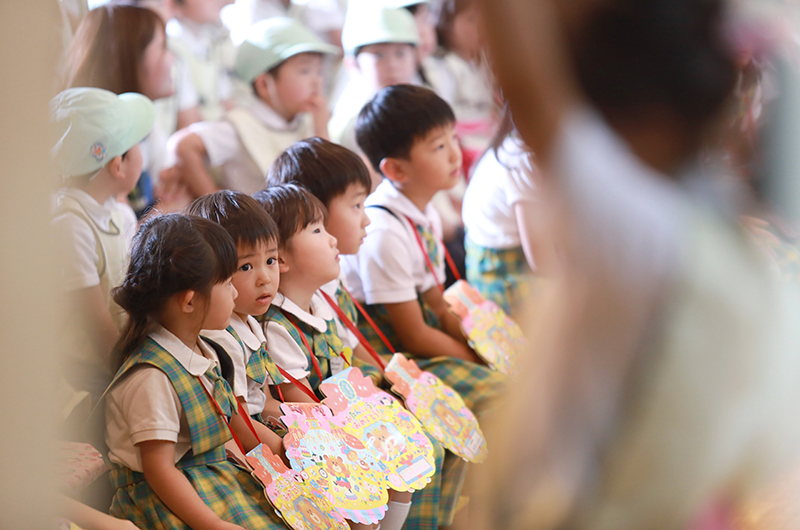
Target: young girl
[(502, 220), (665, 376), (300, 325), (165, 429), (123, 48)]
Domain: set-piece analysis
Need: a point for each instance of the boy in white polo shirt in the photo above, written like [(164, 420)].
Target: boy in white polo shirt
[(282, 61), (407, 134), (98, 157)]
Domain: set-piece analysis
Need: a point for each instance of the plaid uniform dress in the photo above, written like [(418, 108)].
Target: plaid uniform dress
[(229, 491), (500, 275)]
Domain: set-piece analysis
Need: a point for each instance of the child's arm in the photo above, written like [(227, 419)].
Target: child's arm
[(292, 394), (420, 339), (103, 330), (267, 437), (190, 155), (175, 490), (319, 110), (362, 353)]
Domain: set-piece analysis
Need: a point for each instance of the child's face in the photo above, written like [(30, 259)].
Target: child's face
[(434, 162), (257, 278), (466, 36), (155, 70), (298, 82), (427, 33), (131, 166), (347, 218), (312, 254), (220, 305), (387, 64), (202, 11)]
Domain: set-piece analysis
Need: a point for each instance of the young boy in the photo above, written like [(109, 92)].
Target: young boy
[(283, 62), (380, 50), (98, 157), (407, 134), (340, 180), (301, 327), (205, 55), (256, 280)]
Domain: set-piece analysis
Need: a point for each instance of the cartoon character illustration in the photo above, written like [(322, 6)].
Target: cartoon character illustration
[(449, 419), (312, 514), (388, 444), (339, 470)]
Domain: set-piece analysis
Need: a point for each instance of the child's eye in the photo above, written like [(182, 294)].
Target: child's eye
[(357, 206), (272, 261), (317, 231), (246, 267)]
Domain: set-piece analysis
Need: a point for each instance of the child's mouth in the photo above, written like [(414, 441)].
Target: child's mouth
[(264, 299)]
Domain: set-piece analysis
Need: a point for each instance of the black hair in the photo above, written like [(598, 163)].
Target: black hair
[(239, 214), (632, 55), (171, 253), (293, 208), (324, 168), (397, 117)]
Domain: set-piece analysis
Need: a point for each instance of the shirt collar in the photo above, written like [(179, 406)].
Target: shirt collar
[(100, 213), (271, 119), (320, 311), (249, 331), (194, 363), (389, 196)]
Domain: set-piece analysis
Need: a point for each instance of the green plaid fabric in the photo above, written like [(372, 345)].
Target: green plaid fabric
[(260, 364), (324, 345), (231, 492), (426, 504), (207, 428), (500, 275), (346, 303)]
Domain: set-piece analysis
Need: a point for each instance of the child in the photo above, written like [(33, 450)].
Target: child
[(256, 280), (205, 56), (283, 62), (340, 180), (300, 320), (407, 133), (503, 221), (164, 426), (98, 158), (379, 45)]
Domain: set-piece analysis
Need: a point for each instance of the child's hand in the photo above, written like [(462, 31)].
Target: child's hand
[(318, 107)]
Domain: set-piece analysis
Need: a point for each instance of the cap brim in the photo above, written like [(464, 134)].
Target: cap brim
[(141, 116), (310, 47)]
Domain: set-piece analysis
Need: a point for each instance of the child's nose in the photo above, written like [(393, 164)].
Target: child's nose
[(334, 242), (234, 292)]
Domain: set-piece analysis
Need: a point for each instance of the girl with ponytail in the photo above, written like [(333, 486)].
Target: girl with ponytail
[(164, 410)]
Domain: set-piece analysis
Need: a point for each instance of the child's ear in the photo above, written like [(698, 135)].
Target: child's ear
[(393, 170), (283, 267), (187, 301), (261, 85), (115, 167)]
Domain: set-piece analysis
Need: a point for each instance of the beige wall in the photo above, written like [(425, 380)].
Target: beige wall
[(29, 40)]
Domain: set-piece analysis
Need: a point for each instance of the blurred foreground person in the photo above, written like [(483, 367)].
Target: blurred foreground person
[(665, 372)]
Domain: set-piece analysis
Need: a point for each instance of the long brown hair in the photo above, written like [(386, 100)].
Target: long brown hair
[(108, 48)]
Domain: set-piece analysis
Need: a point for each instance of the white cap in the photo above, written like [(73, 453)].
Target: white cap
[(95, 125), (374, 23)]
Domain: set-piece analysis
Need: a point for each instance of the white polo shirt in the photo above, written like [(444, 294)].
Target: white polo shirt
[(226, 149), (284, 349), (144, 405), (390, 266)]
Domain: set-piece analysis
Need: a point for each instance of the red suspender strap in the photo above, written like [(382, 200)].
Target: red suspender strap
[(352, 327), (370, 321), (307, 391), (447, 257), (225, 419), (305, 343)]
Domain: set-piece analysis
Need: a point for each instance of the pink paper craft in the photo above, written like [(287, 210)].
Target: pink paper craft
[(494, 336), (438, 407), (299, 503), (395, 437), (335, 462)]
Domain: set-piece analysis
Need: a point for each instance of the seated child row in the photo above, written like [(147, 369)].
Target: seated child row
[(257, 283)]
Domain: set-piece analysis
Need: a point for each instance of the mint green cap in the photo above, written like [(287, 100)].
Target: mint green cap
[(95, 125), (372, 22), (272, 41), (404, 3)]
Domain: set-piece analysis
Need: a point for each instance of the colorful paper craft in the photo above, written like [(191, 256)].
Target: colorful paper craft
[(494, 336), (394, 436), (335, 462), (300, 504), (438, 407)]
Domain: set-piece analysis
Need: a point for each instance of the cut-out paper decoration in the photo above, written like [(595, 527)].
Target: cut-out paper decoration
[(494, 336), (438, 407), (331, 460), (393, 435), (300, 504)]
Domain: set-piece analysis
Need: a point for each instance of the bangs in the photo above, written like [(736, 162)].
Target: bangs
[(292, 207)]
